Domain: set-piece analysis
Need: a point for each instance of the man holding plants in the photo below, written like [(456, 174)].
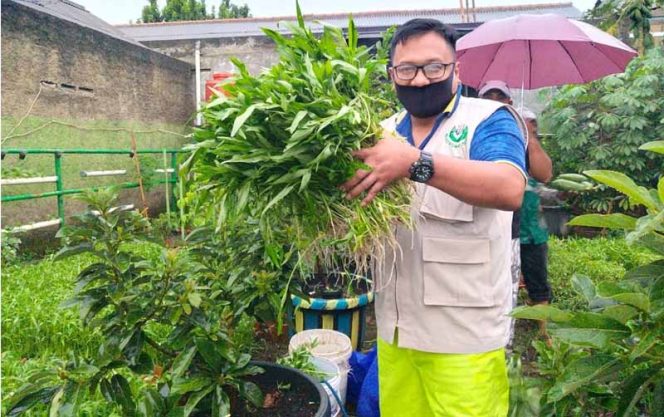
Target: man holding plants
[(444, 294)]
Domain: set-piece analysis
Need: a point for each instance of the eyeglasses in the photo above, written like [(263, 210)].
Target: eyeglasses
[(432, 71)]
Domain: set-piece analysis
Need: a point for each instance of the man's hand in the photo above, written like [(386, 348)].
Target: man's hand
[(390, 159)]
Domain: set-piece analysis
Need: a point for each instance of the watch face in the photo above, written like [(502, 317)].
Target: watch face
[(423, 173)]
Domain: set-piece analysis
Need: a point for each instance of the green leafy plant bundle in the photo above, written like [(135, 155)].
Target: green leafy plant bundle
[(280, 145)]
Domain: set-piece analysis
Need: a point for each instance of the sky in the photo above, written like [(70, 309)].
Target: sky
[(124, 11)]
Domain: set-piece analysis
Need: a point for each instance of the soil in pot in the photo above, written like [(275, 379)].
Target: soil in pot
[(284, 397), (335, 285)]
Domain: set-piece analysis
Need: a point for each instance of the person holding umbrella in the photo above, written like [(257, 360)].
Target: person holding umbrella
[(443, 297), (540, 169)]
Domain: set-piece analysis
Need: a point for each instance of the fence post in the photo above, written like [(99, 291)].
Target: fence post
[(174, 178), (59, 188)]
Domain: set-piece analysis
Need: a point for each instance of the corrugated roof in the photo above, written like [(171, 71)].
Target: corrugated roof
[(75, 13), (368, 23)]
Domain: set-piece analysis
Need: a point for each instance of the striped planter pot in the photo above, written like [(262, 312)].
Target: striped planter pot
[(346, 315)]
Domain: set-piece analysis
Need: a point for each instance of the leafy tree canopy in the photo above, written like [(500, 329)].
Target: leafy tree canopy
[(176, 10)]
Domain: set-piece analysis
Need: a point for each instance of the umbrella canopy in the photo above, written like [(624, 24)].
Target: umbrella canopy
[(534, 51)]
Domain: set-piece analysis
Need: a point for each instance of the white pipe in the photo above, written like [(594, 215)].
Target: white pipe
[(167, 170), (37, 225), (197, 63), (103, 173), (31, 180), (112, 209)]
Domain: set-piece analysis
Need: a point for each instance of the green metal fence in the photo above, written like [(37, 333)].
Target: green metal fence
[(60, 192)]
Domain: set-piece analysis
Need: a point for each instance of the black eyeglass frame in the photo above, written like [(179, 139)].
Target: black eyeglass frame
[(395, 70)]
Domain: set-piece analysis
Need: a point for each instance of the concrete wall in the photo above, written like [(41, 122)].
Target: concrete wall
[(83, 89), (120, 80), (256, 52)]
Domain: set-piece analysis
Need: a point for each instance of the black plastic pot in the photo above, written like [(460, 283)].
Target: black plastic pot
[(298, 381)]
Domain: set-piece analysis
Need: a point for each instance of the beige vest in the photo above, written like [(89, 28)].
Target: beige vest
[(448, 287)]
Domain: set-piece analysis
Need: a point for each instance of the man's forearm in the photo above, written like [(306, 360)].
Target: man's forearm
[(478, 183), (540, 164)]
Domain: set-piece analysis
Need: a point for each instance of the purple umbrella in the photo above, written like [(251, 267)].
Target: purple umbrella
[(534, 51)]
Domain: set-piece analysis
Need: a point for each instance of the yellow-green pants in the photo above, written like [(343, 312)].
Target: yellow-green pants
[(413, 383)]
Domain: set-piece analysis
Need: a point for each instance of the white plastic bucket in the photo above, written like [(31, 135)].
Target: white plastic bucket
[(330, 344), (330, 368)]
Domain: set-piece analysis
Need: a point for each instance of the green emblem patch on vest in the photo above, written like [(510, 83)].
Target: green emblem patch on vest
[(458, 135)]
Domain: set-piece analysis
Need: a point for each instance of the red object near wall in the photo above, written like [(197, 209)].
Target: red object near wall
[(217, 79)]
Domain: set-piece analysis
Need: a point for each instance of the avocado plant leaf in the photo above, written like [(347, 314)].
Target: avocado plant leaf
[(625, 185), (541, 312), (609, 221), (583, 371)]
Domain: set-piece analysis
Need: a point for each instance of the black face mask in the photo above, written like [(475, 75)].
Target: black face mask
[(426, 101)]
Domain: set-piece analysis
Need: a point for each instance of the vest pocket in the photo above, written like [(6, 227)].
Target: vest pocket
[(457, 273), (442, 206)]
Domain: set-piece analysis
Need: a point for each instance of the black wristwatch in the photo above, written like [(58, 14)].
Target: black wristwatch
[(422, 169)]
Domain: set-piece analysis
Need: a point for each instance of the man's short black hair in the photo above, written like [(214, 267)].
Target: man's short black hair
[(418, 27)]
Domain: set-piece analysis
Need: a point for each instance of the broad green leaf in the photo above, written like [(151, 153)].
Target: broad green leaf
[(208, 350), (195, 398), (582, 372), (541, 312), (648, 272), (25, 402), (655, 146), (623, 295), (584, 286), (590, 330), (251, 392), (624, 184), (620, 312), (221, 404), (182, 361), (654, 242), (176, 412), (56, 403), (194, 299), (117, 390), (645, 344), (660, 189), (609, 221), (239, 121), (634, 389), (646, 225), (183, 385), (150, 404), (68, 251)]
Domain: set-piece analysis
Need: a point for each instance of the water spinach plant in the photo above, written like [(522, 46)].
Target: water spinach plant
[(277, 148)]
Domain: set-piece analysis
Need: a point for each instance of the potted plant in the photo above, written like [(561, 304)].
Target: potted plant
[(168, 333)]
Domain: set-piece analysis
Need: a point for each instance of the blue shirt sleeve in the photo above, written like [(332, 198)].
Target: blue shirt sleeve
[(499, 139)]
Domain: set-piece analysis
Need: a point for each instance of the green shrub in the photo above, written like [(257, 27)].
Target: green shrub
[(600, 125), (601, 259)]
